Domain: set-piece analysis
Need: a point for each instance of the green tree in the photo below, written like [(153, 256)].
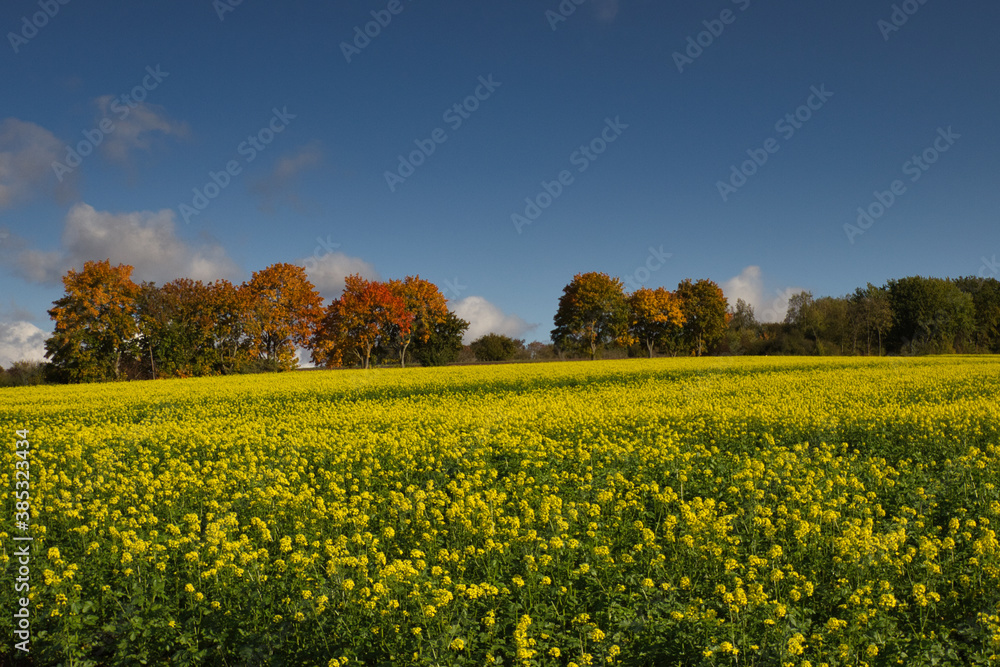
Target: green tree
[(443, 344), (23, 374), (869, 315), (985, 293), (593, 312), (930, 315), (176, 323), (496, 347), (744, 329), (705, 312)]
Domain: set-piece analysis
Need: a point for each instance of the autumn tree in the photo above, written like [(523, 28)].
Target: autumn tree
[(705, 312), (229, 306), (284, 311), (94, 323), (424, 301), (593, 312), (655, 317), (368, 315)]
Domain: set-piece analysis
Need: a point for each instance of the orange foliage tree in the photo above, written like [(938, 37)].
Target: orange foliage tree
[(229, 306), (95, 323), (368, 315), (656, 317), (428, 306), (283, 311)]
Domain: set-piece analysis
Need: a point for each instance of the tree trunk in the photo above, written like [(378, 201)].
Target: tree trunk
[(402, 355), (649, 345)]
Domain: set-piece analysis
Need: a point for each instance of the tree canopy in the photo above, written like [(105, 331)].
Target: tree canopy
[(593, 312)]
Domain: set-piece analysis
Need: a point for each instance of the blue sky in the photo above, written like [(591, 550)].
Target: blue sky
[(643, 109)]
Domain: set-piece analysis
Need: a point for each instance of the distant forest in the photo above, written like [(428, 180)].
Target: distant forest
[(109, 328)]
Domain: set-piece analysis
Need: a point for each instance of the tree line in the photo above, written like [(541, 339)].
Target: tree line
[(908, 316), (108, 327)]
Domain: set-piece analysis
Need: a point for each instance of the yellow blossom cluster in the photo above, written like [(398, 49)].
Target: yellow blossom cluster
[(670, 511)]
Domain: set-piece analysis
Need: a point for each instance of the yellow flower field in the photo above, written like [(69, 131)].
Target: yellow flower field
[(730, 511)]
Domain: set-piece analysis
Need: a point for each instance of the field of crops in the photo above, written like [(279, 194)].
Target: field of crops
[(738, 511)]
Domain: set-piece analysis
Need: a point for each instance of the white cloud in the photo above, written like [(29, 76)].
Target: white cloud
[(137, 130), (21, 341), (749, 286), (278, 185), (483, 318), (27, 152), (327, 272), (146, 240)]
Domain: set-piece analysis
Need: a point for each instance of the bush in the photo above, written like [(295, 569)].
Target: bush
[(23, 374), (258, 366), (496, 347)]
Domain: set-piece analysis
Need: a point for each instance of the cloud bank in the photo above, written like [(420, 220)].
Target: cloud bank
[(484, 317)]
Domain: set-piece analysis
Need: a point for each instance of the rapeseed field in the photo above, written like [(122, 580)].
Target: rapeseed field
[(730, 511)]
